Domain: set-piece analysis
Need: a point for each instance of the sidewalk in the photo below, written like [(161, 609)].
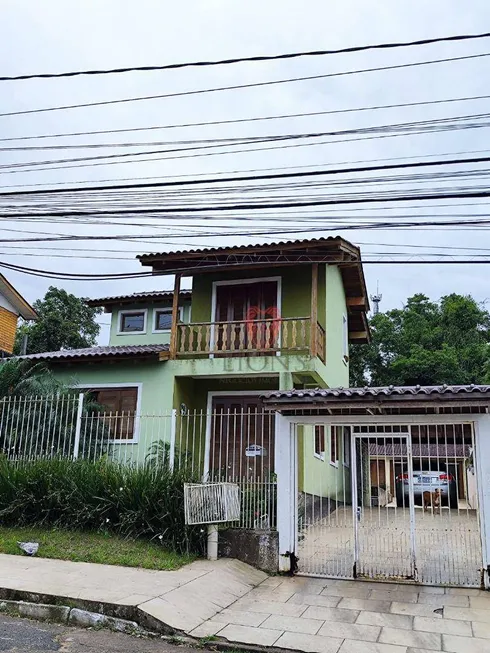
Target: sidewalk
[(233, 601)]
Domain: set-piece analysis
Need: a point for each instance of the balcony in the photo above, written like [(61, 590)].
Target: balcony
[(251, 337)]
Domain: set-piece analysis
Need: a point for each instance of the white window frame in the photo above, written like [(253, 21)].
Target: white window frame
[(164, 309), (346, 450), (132, 312), (137, 416), (345, 338), (334, 463), (319, 455), (242, 282)]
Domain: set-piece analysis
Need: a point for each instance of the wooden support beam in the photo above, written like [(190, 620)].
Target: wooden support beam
[(358, 335), (356, 302), (175, 317), (314, 309)]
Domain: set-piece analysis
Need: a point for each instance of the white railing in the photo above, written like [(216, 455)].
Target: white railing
[(234, 445)]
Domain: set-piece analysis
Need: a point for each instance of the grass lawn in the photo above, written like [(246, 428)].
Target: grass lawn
[(92, 547)]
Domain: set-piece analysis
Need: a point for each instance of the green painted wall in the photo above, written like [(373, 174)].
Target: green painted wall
[(337, 372), (295, 291), (147, 338), (319, 477)]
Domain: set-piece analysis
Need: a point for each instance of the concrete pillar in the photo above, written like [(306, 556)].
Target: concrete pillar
[(286, 470), (482, 461), (286, 381)]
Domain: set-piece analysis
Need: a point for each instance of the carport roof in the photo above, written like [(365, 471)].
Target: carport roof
[(388, 400)]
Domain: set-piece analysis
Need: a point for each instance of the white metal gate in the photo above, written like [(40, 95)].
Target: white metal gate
[(389, 501)]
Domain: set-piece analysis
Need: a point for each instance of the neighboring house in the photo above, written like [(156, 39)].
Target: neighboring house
[(12, 305), (265, 317)]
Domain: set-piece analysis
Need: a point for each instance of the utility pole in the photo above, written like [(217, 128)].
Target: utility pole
[(376, 299)]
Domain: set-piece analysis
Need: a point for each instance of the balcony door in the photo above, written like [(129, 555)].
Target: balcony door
[(248, 317)]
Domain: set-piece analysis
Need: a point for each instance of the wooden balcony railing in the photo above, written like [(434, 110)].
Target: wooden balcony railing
[(263, 337)]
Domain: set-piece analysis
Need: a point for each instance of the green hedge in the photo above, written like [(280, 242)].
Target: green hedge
[(135, 502)]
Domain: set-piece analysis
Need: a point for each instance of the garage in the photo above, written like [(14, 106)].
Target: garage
[(389, 483)]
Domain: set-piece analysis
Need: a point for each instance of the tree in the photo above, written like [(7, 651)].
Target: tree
[(65, 322), (426, 343)]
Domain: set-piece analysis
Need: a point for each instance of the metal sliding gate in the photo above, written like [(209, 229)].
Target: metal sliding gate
[(389, 502)]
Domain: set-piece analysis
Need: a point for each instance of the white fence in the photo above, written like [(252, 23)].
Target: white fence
[(227, 445)]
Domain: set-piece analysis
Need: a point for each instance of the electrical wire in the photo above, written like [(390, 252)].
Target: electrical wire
[(261, 58), (242, 86), (245, 120)]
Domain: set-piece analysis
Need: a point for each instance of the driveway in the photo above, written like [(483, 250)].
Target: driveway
[(447, 545)]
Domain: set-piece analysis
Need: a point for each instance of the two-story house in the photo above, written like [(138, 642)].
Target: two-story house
[(267, 317), (12, 306)]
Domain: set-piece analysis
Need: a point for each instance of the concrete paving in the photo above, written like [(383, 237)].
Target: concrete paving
[(234, 602), (334, 616), (181, 599)]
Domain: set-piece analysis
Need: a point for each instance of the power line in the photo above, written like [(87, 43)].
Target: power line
[(240, 86), (244, 120), (275, 57), (282, 175)]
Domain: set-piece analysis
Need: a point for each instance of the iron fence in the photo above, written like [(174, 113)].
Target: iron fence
[(224, 445)]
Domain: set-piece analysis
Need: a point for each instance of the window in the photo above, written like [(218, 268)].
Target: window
[(118, 410), (162, 320), (132, 321), (346, 452), (320, 441), (345, 338), (334, 448)]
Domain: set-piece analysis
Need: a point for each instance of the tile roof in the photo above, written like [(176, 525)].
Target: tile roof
[(380, 392), (441, 451), (135, 297), (115, 351), (223, 248)]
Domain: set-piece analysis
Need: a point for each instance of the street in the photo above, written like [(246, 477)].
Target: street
[(24, 636)]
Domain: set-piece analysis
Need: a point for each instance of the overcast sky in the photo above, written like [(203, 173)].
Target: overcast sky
[(55, 36)]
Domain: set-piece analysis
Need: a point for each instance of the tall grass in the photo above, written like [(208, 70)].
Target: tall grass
[(134, 502)]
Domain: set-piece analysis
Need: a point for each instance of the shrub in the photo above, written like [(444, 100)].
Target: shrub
[(135, 502)]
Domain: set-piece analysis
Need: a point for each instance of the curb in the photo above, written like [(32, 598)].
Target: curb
[(77, 617)]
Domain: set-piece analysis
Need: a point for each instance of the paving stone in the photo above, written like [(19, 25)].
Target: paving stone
[(270, 607), (170, 615), (455, 644), (310, 643), (315, 599), (353, 646), (331, 614), (382, 619), (466, 591), (428, 589), (401, 637), (481, 630), (350, 631), (280, 594), (207, 629), (467, 614), (293, 624), (446, 626), (239, 617), (480, 602), (365, 604), (394, 595), (352, 592), (274, 581), (415, 609), (454, 600), (249, 635)]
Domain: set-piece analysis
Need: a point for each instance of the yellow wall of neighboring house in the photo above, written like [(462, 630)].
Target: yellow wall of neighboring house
[(8, 326)]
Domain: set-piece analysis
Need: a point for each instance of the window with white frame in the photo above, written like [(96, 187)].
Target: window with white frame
[(334, 445), (162, 319), (320, 441), (132, 321), (117, 410), (346, 446), (345, 337)]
